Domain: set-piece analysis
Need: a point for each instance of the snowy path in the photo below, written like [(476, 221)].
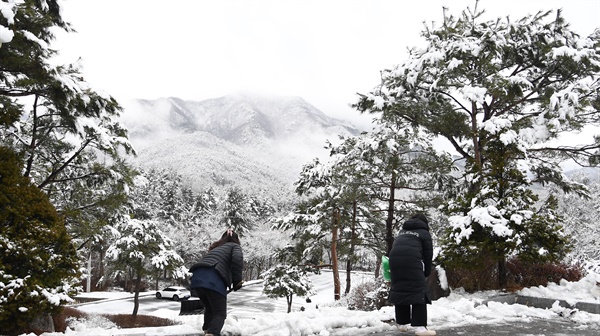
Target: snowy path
[(252, 313)]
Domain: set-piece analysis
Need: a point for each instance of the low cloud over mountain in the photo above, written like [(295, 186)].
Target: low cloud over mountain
[(244, 140)]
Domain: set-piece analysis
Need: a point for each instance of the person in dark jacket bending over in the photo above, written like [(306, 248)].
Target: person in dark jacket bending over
[(410, 265), (219, 271)]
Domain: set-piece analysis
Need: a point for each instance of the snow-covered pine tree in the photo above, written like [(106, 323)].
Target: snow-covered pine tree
[(323, 214), (390, 173), (236, 211), (66, 133), (287, 281), (142, 249), (373, 181), (500, 92), (397, 171)]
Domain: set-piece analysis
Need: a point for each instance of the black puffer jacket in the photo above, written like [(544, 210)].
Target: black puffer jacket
[(227, 259), (410, 263)]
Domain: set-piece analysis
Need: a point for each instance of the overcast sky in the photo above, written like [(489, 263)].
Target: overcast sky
[(324, 51)]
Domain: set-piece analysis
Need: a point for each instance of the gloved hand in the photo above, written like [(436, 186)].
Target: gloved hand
[(237, 286)]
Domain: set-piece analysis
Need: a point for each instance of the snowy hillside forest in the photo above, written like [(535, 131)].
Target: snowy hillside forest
[(110, 199), (255, 142)]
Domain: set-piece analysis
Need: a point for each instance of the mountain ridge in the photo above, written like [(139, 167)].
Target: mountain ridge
[(256, 143)]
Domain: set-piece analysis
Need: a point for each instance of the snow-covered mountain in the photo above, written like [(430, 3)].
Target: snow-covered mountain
[(244, 140)]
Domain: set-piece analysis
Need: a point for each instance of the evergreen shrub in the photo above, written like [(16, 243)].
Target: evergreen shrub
[(369, 295), (38, 262), (520, 274)]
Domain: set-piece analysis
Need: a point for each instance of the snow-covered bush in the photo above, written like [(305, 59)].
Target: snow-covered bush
[(368, 296), (81, 324)]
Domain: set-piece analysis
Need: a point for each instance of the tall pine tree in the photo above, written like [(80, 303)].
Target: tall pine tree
[(499, 92), (66, 133)]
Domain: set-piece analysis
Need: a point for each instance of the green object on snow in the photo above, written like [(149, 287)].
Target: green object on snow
[(385, 261)]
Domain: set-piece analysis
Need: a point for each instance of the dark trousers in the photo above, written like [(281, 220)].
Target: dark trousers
[(215, 310), (415, 314)]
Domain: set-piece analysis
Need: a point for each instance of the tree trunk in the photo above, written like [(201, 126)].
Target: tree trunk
[(334, 258), (136, 296), (475, 139), (351, 254), (34, 135), (88, 282), (126, 282), (101, 272), (289, 302), (348, 275), (389, 222), (502, 276)]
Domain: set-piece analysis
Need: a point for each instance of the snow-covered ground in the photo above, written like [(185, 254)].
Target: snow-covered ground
[(323, 316)]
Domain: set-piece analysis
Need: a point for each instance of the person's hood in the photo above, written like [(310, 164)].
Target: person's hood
[(415, 223)]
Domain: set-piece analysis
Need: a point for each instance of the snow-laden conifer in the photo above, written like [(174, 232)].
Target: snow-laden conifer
[(501, 93), (66, 132), (287, 281), (140, 248)]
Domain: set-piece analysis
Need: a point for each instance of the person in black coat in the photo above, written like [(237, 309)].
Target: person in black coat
[(410, 265), (219, 271)]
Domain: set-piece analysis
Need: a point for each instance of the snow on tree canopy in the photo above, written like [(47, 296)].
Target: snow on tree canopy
[(486, 217), (501, 92), (6, 35), (440, 67), (7, 10), (142, 241)]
